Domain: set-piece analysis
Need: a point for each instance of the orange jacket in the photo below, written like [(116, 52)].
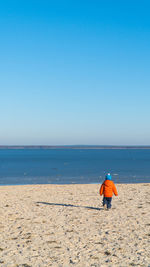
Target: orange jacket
[(108, 188)]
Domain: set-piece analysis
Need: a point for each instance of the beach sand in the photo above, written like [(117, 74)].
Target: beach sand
[(65, 225)]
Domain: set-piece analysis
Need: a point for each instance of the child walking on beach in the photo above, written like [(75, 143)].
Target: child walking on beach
[(107, 189)]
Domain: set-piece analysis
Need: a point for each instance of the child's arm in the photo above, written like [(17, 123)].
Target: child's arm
[(115, 190), (101, 191)]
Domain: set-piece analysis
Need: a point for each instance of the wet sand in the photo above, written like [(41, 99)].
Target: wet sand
[(66, 225)]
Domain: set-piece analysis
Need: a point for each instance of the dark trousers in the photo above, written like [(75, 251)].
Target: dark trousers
[(107, 201)]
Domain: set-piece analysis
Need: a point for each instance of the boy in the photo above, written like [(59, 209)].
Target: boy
[(107, 189)]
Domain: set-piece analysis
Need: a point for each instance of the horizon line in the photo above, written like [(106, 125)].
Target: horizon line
[(71, 146)]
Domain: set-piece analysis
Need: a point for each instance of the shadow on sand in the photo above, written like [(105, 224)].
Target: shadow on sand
[(68, 205)]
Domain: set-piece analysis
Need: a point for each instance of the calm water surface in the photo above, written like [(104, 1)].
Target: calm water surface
[(66, 166)]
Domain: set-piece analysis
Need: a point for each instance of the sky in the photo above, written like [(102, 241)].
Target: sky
[(74, 72)]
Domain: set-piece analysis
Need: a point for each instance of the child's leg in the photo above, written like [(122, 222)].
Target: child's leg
[(104, 201), (109, 199)]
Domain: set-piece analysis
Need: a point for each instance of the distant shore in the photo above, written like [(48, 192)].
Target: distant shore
[(72, 147)]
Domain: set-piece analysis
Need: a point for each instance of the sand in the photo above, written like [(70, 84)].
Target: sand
[(66, 225)]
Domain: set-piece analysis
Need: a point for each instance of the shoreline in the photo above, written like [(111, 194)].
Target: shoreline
[(64, 225), (9, 185)]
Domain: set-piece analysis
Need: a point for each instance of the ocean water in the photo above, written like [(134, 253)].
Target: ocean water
[(67, 166)]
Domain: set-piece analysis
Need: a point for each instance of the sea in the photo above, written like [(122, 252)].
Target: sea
[(73, 166)]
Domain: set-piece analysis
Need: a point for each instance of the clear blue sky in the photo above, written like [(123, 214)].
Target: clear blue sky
[(75, 72)]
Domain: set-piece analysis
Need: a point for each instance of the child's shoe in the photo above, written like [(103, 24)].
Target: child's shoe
[(105, 207)]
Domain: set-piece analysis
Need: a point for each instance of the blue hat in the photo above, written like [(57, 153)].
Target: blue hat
[(108, 176)]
